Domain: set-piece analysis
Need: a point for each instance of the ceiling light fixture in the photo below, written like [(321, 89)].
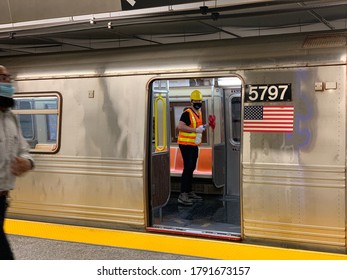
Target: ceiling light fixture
[(92, 20)]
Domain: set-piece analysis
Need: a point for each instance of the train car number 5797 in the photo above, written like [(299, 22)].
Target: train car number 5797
[(264, 93)]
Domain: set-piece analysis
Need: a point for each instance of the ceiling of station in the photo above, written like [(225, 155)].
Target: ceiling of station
[(201, 21)]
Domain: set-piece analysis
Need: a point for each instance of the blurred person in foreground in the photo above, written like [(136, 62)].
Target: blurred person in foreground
[(15, 159)]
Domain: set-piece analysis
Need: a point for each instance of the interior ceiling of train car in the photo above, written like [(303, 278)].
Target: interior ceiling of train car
[(46, 26)]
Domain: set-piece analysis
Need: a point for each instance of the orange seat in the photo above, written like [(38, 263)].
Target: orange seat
[(204, 165)]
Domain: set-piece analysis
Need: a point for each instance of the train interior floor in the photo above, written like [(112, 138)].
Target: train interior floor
[(215, 214)]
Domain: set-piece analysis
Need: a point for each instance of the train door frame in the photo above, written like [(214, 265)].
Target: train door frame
[(150, 226), (233, 162)]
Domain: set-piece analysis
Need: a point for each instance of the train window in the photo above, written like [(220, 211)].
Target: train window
[(26, 121), (38, 116), (236, 121)]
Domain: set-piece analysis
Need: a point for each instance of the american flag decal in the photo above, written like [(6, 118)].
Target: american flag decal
[(268, 119)]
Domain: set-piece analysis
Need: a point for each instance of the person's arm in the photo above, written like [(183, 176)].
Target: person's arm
[(20, 165), (184, 122), (183, 127)]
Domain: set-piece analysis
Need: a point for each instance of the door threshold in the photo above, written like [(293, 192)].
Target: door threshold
[(196, 233)]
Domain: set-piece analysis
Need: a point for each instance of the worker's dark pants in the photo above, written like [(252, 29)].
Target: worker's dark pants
[(190, 156), (5, 249)]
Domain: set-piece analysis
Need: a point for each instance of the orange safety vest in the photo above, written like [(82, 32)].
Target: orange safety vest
[(188, 138)]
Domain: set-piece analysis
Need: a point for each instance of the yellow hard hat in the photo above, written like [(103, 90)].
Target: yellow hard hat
[(196, 95)]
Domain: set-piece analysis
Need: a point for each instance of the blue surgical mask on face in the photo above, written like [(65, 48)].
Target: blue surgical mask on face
[(6, 90)]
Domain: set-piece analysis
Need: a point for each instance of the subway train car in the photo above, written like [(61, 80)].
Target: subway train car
[(102, 129)]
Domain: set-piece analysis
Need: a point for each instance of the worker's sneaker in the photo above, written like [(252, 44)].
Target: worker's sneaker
[(184, 199), (194, 197)]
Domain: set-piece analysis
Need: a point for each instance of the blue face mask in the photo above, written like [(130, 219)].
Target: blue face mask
[(6, 90)]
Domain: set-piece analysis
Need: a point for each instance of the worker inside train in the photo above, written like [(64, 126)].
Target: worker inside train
[(190, 129)]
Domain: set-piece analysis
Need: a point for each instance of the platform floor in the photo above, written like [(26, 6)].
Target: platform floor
[(32, 248)]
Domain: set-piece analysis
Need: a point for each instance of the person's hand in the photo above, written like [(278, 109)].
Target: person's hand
[(212, 121), (200, 129), (20, 165)]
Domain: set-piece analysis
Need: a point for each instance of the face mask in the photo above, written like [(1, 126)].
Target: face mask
[(6, 90), (197, 106)]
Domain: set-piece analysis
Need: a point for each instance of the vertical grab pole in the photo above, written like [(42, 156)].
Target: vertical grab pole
[(156, 124), (212, 111)]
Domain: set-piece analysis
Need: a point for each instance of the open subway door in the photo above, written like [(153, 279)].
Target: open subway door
[(218, 138), (160, 148), (232, 146), (213, 215), (226, 105)]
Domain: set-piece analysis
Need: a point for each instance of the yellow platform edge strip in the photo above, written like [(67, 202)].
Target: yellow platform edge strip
[(190, 246)]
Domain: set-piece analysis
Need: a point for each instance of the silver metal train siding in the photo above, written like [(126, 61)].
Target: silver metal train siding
[(103, 137)]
